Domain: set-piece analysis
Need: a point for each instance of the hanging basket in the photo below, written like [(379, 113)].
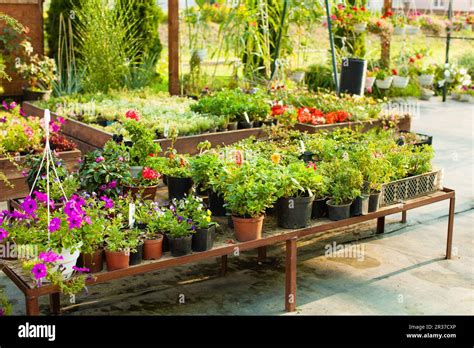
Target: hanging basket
[(414, 186), (359, 28), (425, 80), (399, 31), (412, 30), (384, 84), (400, 81)]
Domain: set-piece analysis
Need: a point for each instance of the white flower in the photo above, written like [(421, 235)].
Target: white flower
[(447, 73), (463, 71)]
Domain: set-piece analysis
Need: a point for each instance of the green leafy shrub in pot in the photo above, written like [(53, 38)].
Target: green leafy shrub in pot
[(420, 159), (142, 142), (345, 181), (299, 179), (104, 171), (204, 167)]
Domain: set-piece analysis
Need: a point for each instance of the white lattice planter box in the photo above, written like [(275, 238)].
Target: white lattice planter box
[(415, 186)]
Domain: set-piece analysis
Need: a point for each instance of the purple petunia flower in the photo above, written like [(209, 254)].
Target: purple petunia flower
[(81, 269), (112, 184), (13, 105), (193, 227), (102, 188), (99, 159), (29, 206), (2, 312), (39, 271), (79, 200), (3, 234), (5, 105), (88, 220), (43, 198), (189, 221), (49, 257), (54, 225), (75, 221), (180, 219), (22, 112), (109, 204), (3, 119)]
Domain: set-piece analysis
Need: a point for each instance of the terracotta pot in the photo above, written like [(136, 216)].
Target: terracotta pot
[(147, 192), (116, 260), (248, 228), (153, 248), (94, 261)]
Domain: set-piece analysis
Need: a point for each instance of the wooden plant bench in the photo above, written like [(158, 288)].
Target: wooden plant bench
[(222, 248)]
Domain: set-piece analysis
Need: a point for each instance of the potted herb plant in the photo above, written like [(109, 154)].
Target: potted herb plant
[(180, 234), (248, 189), (345, 185), (178, 175), (297, 182)]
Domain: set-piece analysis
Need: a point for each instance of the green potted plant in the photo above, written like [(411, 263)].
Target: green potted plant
[(142, 144), (400, 77), (178, 175), (248, 190), (117, 246), (419, 159), (376, 172), (180, 233), (104, 171), (136, 238), (383, 78), (153, 247), (345, 185), (38, 71), (296, 184)]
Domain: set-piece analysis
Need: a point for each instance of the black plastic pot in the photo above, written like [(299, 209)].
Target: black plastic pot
[(307, 156), (136, 257), (294, 212), (320, 208), (179, 187), (232, 126), (165, 179), (338, 212), (245, 125), (180, 246), (360, 206), (166, 243), (200, 191), (268, 122), (142, 225), (374, 201), (216, 204), (257, 124), (203, 239), (230, 221)]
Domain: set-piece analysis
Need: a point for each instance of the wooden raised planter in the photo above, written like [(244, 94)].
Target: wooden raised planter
[(89, 138), (15, 177)]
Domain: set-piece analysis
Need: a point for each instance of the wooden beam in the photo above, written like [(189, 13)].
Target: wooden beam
[(173, 47)]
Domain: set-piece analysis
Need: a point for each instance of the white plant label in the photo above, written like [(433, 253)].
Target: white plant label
[(302, 147), (246, 117), (166, 131), (131, 215)]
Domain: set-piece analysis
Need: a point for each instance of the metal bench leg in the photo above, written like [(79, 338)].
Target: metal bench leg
[(404, 216), (223, 265), (290, 286), (32, 306), (449, 243), (381, 224), (55, 303), (262, 254)]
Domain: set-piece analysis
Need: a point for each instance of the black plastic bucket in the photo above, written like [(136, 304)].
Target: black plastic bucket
[(179, 187), (203, 239), (338, 212), (180, 246), (294, 212)]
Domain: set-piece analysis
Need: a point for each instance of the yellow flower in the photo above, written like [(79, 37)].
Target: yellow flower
[(276, 158), (209, 212), (208, 219)]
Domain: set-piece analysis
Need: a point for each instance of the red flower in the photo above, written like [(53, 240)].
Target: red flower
[(362, 8), (311, 165), (379, 24), (412, 60), (150, 174), (238, 157), (419, 56), (354, 8), (253, 24), (341, 7), (132, 115), (278, 109), (394, 72)]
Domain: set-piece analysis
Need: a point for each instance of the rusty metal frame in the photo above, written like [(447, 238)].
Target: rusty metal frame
[(291, 237)]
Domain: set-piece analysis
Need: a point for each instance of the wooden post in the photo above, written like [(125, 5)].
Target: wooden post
[(32, 306), (290, 285), (55, 303), (385, 41), (173, 47), (262, 254), (223, 265), (449, 243), (404, 216), (381, 224)]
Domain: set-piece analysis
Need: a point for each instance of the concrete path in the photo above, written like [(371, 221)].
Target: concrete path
[(402, 272)]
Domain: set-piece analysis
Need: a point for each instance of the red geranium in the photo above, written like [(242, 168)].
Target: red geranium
[(278, 109), (150, 174), (132, 115), (394, 72)]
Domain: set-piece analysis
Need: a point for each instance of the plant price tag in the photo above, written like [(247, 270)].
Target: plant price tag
[(246, 117), (131, 215), (302, 147)]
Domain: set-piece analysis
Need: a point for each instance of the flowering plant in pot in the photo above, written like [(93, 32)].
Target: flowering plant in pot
[(180, 230), (143, 145), (296, 184), (419, 160), (400, 77), (154, 237), (178, 175), (193, 207), (248, 190), (104, 171), (38, 71), (144, 185), (345, 185)]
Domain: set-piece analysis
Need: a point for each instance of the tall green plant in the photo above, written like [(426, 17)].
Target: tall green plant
[(108, 48)]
